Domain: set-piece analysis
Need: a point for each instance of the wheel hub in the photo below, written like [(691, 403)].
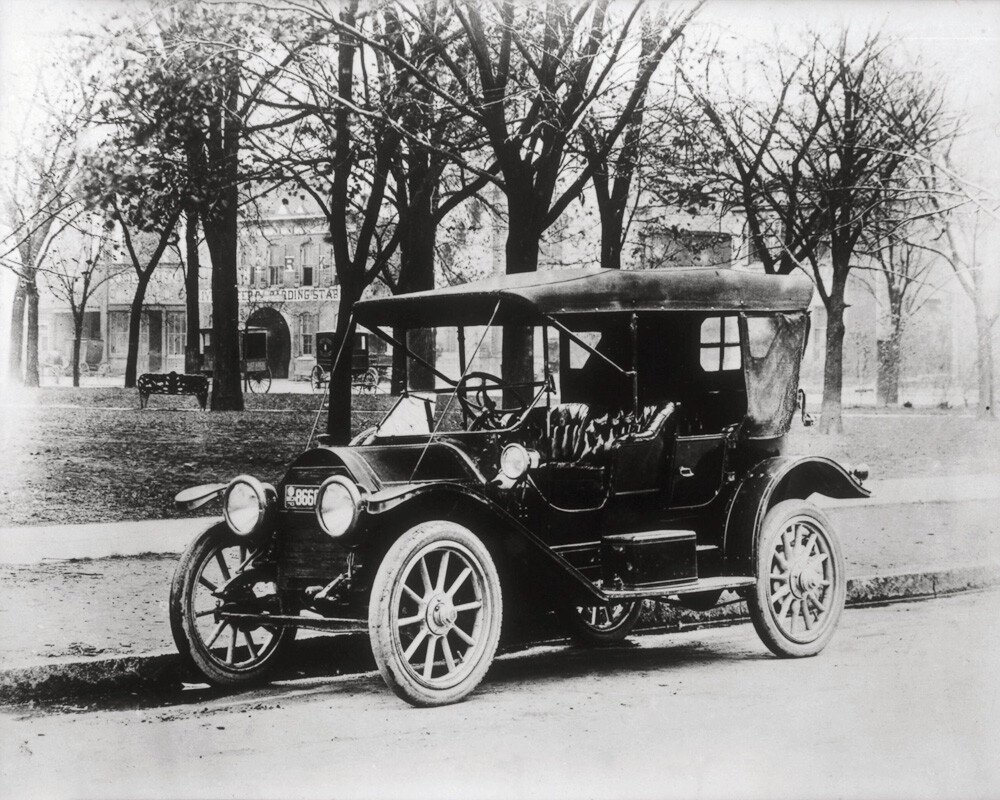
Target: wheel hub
[(441, 614), (803, 579)]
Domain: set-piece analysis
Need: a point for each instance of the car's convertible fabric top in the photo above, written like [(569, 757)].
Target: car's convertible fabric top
[(524, 298)]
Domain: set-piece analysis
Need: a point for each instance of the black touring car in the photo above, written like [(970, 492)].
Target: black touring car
[(644, 458)]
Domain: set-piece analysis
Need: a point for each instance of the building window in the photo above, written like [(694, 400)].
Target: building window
[(327, 274), (307, 257), (176, 333), (307, 331), (274, 261), (720, 344), (117, 334)]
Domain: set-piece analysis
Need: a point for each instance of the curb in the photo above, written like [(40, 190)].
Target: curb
[(162, 672)]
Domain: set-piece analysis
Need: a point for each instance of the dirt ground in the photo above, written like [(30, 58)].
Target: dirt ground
[(903, 704), (90, 455)]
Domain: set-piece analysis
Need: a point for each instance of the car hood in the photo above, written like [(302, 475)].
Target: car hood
[(375, 467)]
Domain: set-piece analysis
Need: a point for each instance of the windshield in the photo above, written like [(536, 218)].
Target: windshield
[(450, 379)]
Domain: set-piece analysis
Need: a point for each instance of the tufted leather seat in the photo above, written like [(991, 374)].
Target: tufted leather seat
[(582, 435)]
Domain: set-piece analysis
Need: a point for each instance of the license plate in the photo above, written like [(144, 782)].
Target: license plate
[(298, 498)]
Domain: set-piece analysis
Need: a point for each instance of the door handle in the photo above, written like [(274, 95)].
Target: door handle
[(686, 472)]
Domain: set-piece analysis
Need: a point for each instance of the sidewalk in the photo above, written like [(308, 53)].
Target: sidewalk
[(34, 544), (86, 605)]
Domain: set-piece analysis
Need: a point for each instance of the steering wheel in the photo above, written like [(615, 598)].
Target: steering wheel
[(477, 404)]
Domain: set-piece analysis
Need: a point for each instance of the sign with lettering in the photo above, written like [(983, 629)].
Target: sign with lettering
[(279, 294)]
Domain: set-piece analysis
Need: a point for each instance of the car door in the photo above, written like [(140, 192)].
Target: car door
[(697, 469)]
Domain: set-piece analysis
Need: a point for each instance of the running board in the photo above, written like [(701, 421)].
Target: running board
[(715, 584)]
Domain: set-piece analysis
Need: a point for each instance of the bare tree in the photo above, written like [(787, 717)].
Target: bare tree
[(82, 261), (619, 178), (812, 163), (969, 242), (538, 72), (372, 149), (38, 201)]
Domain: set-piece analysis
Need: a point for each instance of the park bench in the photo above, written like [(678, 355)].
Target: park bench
[(172, 383)]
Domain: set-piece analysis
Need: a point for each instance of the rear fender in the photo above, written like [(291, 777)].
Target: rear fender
[(770, 482), (394, 511)]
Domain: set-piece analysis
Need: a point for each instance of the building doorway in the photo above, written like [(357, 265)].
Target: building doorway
[(279, 339)]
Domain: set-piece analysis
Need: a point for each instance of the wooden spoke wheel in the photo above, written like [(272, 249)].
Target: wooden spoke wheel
[(317, 378), (259, 381), (369, 381), (218, 573), (435, 614), (597, 625), (801, 585)]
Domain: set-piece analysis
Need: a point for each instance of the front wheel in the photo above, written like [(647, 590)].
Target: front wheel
[(435, 614), (218, 573), (801, 585)]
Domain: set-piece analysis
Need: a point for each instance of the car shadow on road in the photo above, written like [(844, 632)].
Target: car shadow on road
[(347, 664)]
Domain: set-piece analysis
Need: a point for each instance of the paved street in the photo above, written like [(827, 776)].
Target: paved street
[(904, 703)]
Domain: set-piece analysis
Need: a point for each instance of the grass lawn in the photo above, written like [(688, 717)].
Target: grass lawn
[(87, 455)]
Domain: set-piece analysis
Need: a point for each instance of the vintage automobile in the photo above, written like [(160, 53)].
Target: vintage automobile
[(644, 460)]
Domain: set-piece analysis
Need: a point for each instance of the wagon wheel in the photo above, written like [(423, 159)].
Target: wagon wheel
[(435, 614), (259, 381), (369, 381), (216, 572), (317, 377), (801, 585)]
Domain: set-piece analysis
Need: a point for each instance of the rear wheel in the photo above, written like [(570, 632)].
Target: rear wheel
[(317, 377), (218, 573), (259, 382), (597, 625), (801, 585), (435, 614)]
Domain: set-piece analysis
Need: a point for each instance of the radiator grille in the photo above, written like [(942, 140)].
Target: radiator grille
[(307, 552)]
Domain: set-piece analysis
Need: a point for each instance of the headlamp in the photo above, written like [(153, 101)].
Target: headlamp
[(244, 504), (516, 460), (338, 503)]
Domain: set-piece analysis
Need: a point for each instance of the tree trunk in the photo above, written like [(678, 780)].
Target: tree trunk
[(221, 237), (192, 343), (338, 420), (984, 366), (611, 236), (831, 420), (518, 351), (889, 358), (16, 334), (419, 240), (221, 226), (398, 380), (31, 350), (134, 327), (77, 337)]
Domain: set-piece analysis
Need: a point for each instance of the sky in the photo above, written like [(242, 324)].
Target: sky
[(959, 39)]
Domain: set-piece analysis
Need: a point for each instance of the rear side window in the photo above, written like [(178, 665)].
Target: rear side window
[(720, 344)]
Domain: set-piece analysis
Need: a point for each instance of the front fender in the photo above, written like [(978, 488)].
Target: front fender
[(397, 508), (769, 482)]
